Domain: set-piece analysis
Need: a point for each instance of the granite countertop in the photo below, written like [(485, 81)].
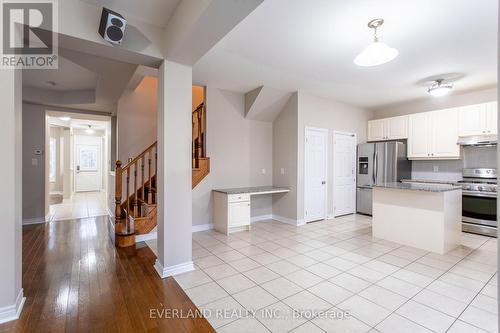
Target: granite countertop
[(430, 181), (426, 187), (256, 189)]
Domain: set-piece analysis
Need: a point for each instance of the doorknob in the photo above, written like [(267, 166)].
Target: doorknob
[(78, 168), (323, 182)]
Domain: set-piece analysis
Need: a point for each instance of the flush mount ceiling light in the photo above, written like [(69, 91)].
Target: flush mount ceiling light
[(89, 130), (439, 88), (65, 118), (377, 53)]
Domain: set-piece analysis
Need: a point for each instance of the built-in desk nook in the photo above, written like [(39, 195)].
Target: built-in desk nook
[(232, 206)]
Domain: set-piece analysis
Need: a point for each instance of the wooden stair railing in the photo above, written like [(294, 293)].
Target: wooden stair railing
[(136, 214), (201, 163)]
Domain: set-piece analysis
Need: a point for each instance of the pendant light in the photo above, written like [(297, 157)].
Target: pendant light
[(377, 53), (438, 88), (89, 130)]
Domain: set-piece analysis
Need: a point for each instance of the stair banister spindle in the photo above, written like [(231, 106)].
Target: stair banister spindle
[(136, 189), (118, 191), (128, 199), (149, 176), (143, 185)]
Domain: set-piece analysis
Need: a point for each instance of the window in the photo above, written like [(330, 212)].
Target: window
[(52, 160), (88, 160)]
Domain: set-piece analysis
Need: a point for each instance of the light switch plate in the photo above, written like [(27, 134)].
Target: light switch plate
[(34, 161), (436, 168), (263, 171), (282, 171)]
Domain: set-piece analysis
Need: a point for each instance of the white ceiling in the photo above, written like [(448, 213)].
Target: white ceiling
[(68, 76), (155, 12), (310, 45)]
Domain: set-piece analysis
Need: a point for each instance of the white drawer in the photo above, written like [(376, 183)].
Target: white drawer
[(238, 197)]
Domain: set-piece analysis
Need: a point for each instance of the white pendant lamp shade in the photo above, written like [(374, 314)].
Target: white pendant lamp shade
[(377, 53)]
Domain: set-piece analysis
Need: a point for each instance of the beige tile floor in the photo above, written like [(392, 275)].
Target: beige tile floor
[(81, 205), (281, 278)]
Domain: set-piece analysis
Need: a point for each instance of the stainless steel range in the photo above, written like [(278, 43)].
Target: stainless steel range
[(479, 201)]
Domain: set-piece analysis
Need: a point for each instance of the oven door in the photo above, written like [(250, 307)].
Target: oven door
[(479, 208)]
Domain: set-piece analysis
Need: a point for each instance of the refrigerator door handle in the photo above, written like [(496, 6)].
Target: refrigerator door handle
[(375, 167)]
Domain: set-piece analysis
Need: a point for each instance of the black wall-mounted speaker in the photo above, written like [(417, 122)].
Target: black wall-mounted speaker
[(112, 26)]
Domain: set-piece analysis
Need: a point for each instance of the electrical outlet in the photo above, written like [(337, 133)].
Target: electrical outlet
[(264, 171), (282, 171), (436, 168)]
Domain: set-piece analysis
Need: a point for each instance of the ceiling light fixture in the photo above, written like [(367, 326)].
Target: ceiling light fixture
[(438, 88), (89, 130), (65, 118), (377, 53)]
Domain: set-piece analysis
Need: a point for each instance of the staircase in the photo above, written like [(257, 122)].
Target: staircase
[(136, 213), (201, 163)]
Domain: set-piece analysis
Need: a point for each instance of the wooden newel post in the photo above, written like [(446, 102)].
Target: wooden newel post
[(118, 191)]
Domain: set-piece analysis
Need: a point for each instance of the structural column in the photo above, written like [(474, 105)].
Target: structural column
[(11, 292), (174, 169)]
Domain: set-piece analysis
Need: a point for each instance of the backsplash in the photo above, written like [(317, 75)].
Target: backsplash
[(451, 170)]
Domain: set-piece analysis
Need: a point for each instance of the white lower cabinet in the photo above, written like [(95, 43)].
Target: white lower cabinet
[(433, 135), (231, 212), (239, 213)]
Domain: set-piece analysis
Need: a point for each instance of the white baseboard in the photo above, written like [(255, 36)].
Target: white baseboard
[(35, 220), (288, 220), (12, 312), (261, 218), (202, 227), (146, 237), (164, 272)]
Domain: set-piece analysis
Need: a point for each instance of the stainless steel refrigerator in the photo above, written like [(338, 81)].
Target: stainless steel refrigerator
[(380, 162)]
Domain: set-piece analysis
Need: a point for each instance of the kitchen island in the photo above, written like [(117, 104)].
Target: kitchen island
[(426, 216)]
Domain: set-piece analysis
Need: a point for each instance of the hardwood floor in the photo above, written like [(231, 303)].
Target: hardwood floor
[(74, 279)]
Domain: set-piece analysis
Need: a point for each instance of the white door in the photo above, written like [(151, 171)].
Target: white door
[(444, 136), (88, 163), (344, 174), (377, 130), (315, 164)]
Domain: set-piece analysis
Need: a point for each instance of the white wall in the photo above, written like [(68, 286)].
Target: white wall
[(11, 294), (324, 113), (285, 131), (136, 120), (34, 206), (432, 103), (238, 149)]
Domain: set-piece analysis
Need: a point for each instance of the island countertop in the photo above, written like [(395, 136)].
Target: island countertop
[(254, 190), (426, 187)]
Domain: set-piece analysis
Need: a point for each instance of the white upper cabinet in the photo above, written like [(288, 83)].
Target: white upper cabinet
[(388, 129), (491, 117), (433, 135), (376, 130), (397, 127), (478, 119), (418, 135), (444, 134)]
